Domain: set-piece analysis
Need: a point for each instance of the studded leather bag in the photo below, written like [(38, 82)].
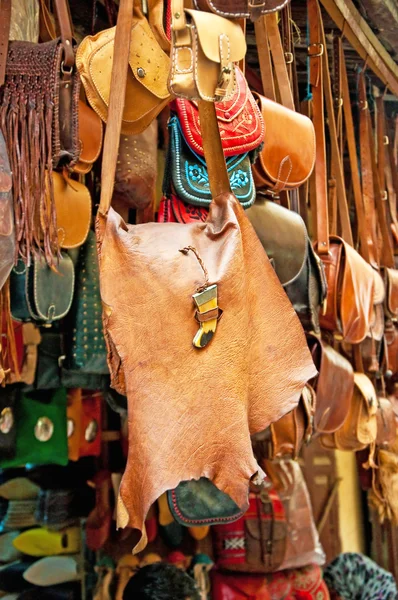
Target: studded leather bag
[(164, 264)]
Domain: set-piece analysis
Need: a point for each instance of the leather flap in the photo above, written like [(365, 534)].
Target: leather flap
[(52, 292), (90, 133), (380, 290), (392, 291), (209, 29), (365, 387), (283, 234), (386, 423), (288, 156), (73, 209)]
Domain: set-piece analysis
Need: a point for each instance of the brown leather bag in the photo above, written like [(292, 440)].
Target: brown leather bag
[(203, 52), (288, 156), (90, 138), (351, 282), (386, 424), (334, 387), (237, 9), (224, 255), (39, 121), (146, 89), (391, 338), (360, 427)]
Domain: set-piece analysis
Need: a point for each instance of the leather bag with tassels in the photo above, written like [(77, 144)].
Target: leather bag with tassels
[(146, 88), (350, 279), (203, 52), (237, 9), (284, 237), (218, 265), (39, 121), (239, 120)]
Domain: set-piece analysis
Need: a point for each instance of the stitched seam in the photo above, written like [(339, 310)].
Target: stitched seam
[(203, 96), (189, 70)]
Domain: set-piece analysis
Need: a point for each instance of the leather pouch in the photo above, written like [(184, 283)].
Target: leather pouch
[(256, 543), (174, 210), (284, 237), (41, 431), (136, 169), (334, 387), (73, 209), (90, 138), (9, 397), (360, 427), (190, 177), (200, 502), (90, 438), (146, 91), (49, 361), (241, 8), (7, 236), (203, 52), (386, 424), (41, 294), (239, 119), (288, 156), (350, 296)]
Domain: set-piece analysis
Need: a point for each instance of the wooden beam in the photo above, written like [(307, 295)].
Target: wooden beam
[(364, 41)]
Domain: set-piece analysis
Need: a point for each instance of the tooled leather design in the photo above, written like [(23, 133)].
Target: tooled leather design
[(250, 390), (240, 121), (174, 210), (190, 176)]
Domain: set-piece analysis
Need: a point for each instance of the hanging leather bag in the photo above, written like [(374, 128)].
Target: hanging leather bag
[(241, 8), (222, 256), (351, 284), (41, 87), (203, 52), (288, 156)]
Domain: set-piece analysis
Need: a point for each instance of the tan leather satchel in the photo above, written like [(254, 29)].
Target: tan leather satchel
[(351, 280), (360, 427), (230, 378), (203, 52), (288, 156), (146, 89)]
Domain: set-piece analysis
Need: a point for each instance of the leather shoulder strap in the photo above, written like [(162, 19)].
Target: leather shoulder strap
[(116, 102), (5, 23), (212, 148), (279, 60), (264, 58), (315, 51), (65, 27)]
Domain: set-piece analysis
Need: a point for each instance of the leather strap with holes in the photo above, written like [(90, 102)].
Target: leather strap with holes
[(5, 23)]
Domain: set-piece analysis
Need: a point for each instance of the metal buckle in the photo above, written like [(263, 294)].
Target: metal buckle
[(289, 58), (365, 105), (315, 45), (66, 70), (386, 140), (384, 195)]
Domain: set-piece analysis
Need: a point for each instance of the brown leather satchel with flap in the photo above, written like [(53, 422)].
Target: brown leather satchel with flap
[(288, 156), (203, 52), (360, 427), (334, 387), (237, 9), (146, 89), (90, 138), (351, 280), (167, 274)]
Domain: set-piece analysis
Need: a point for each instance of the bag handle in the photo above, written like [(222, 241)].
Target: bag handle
[(65, 27)]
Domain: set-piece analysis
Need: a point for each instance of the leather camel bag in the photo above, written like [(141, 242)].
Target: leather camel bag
[(41, 86), (223, 267), (334, 387), (203, 52), (239, 119), (241, 8), (146, 88), (7, 235), (360, 427), (285, 239), (288, 157), (351, 280), (188, 173)]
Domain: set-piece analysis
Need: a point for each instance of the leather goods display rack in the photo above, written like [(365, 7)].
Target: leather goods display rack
[(198, 295)]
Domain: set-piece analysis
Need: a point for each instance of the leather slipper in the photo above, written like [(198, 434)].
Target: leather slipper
[(52, 570), (44, 542)]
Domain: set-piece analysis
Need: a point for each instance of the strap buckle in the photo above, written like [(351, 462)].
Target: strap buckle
[(317, 46), (386, 140), (289, 58), (384, 195)]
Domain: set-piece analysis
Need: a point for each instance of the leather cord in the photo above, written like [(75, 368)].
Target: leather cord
[(116, 102), (315, 51), (5, 23)]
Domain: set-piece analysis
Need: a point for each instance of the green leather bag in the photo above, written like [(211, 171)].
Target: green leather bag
[(41, 430), (39, 293)]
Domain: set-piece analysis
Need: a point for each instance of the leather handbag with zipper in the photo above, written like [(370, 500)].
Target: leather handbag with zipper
[(203, 52), (146, 89), (42, 84), (189, 175), (223, 266), (351, 280), (239, 9), (288, 157), (284, 237)]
